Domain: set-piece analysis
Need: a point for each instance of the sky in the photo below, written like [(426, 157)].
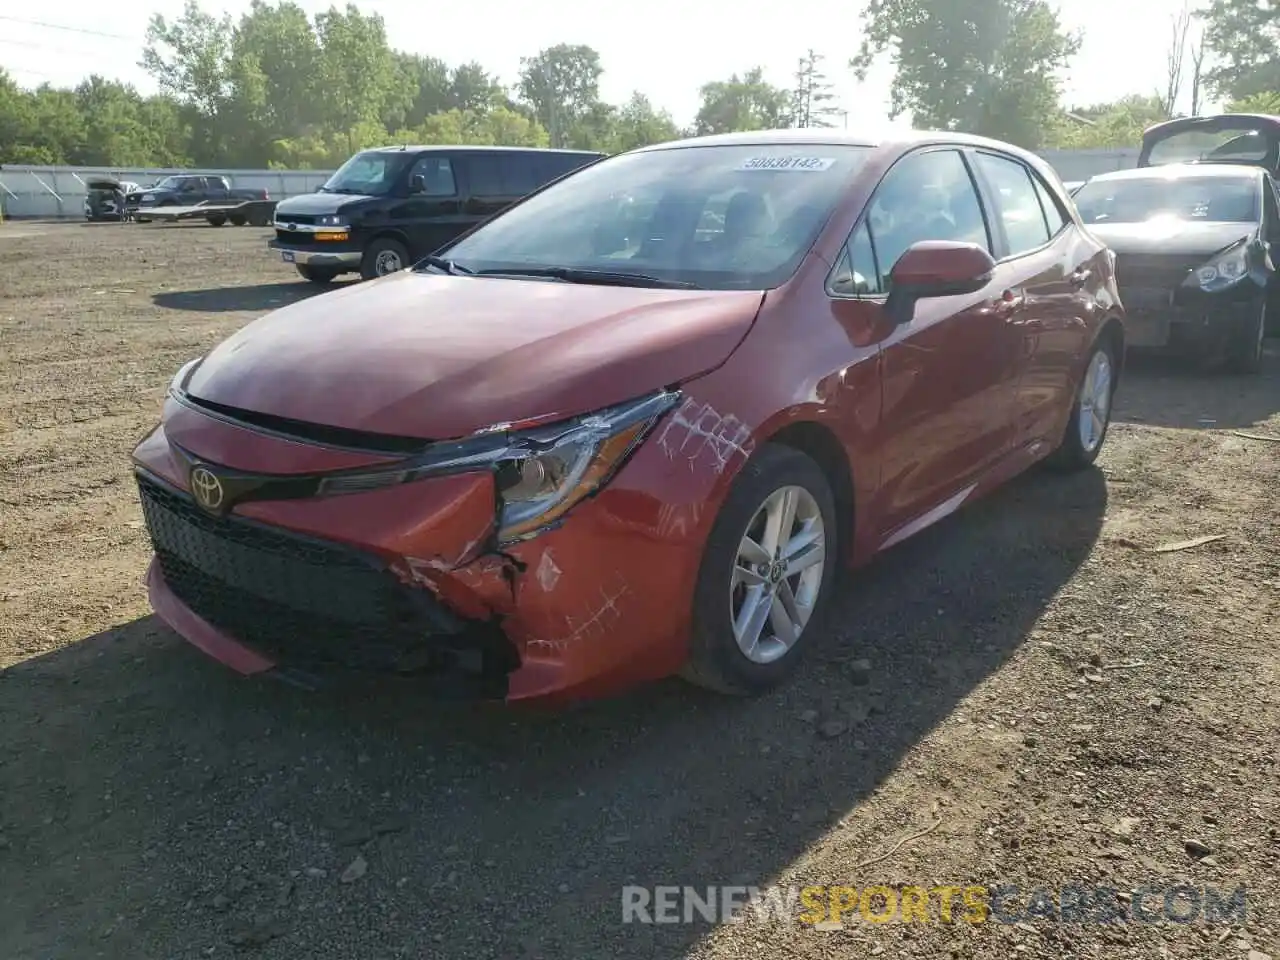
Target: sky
[(666, 49)]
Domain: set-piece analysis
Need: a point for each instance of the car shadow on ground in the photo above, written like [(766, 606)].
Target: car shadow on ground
[(157, 805), (1166, 392), (263, 296)]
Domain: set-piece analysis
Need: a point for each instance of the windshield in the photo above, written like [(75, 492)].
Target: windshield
[(1217, 199), (718, 217), (370, 174), (168, 183), (1229, 144)]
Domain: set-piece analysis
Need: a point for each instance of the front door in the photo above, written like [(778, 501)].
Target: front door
[(430, 215), (947, 375)]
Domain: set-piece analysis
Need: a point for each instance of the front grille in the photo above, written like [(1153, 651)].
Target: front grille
[(1153, 271), (295, 218), (295, 599)]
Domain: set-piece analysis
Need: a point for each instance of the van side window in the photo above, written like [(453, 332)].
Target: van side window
[(519, 174), (485, 174), (437, 176)]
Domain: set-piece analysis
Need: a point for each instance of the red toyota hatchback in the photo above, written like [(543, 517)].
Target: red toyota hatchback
[(631, 426)]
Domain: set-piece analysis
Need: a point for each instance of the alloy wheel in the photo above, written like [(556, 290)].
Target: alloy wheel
[(388, 262), (1095, 401), (777, 574)]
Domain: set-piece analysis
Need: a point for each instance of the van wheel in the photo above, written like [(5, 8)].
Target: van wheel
[(766, 575), (382, 257), (320, 275)]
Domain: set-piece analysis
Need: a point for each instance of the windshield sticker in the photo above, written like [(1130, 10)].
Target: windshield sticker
[(807, 164)]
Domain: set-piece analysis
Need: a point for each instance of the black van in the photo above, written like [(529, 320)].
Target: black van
[(386, 208)]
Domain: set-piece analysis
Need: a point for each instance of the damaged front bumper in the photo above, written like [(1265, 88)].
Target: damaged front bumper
[(408, 580), (1188, 321)]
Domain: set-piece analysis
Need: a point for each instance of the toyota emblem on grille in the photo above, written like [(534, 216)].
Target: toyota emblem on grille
[(207, 489)]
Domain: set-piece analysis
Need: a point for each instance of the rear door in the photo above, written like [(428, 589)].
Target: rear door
[(948, 375), (1045, 264), (487, 190)]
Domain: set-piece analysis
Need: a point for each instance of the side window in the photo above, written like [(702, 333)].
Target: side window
[(1053, 214), (924, 196), (519, 175), (1019, 207), (1272, 210), (857, 273), (437, 176), (486, 175)]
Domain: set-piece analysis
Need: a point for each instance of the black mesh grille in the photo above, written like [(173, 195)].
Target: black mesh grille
[(295, 599)]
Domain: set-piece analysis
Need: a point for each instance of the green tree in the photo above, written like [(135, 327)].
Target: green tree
[(812, 100), (638, 124), (748, 102), (357, 69), (1117, 124), (1243, 40), (562, 85), (980, 66)]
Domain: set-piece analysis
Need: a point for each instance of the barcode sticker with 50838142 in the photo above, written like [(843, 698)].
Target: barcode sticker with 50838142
[(805, 164)]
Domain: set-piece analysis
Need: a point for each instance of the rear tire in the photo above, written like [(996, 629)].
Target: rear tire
[(317, 275), (383, 257), (1244, 351), (217, 220), (1090, 413), (744, 568), (239, 219)]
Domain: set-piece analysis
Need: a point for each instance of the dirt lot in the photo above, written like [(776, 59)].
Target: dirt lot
[(1053, 700)]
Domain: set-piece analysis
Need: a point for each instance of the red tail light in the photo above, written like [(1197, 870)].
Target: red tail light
[(265, 195)]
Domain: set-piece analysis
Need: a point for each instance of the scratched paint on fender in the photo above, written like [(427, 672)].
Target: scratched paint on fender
[(697, 432), (594, 624)]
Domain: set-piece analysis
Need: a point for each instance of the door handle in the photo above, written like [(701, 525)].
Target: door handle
[(1080, 277)]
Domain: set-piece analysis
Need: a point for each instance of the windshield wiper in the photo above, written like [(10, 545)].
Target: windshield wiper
[(448, 266), (601, 277)]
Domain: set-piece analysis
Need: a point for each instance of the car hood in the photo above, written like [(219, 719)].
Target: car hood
[(439, 357), (316, 204), (1173, 237)]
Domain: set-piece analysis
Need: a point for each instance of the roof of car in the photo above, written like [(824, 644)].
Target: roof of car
[(863, 136), (475, 148), (1178, 171)]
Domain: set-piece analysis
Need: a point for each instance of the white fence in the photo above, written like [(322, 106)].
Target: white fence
[(59, 192)]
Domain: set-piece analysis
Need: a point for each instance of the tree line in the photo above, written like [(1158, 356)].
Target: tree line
[(279, 88)]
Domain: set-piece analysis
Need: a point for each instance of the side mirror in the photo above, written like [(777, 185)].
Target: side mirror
[(936, 268), (417, 183)]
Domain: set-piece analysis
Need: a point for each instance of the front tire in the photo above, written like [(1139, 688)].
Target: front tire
[(1090, 413), (239, 219), (217, 220), (382, 257), (317, 275), (766, 575), (1244, 351)]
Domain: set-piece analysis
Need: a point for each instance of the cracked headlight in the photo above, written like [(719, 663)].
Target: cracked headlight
[(543, 474), (1222, 271), (539, 473)]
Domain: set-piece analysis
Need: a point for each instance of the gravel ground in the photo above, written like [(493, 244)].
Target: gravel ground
[(1052, 699)]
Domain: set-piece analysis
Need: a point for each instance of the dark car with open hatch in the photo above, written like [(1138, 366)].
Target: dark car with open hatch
[(1194, 255), (633, 424), (385, 209)]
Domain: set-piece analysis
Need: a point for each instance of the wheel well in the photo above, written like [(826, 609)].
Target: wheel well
[(820, 444), (1114, 332), (395, 235)]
